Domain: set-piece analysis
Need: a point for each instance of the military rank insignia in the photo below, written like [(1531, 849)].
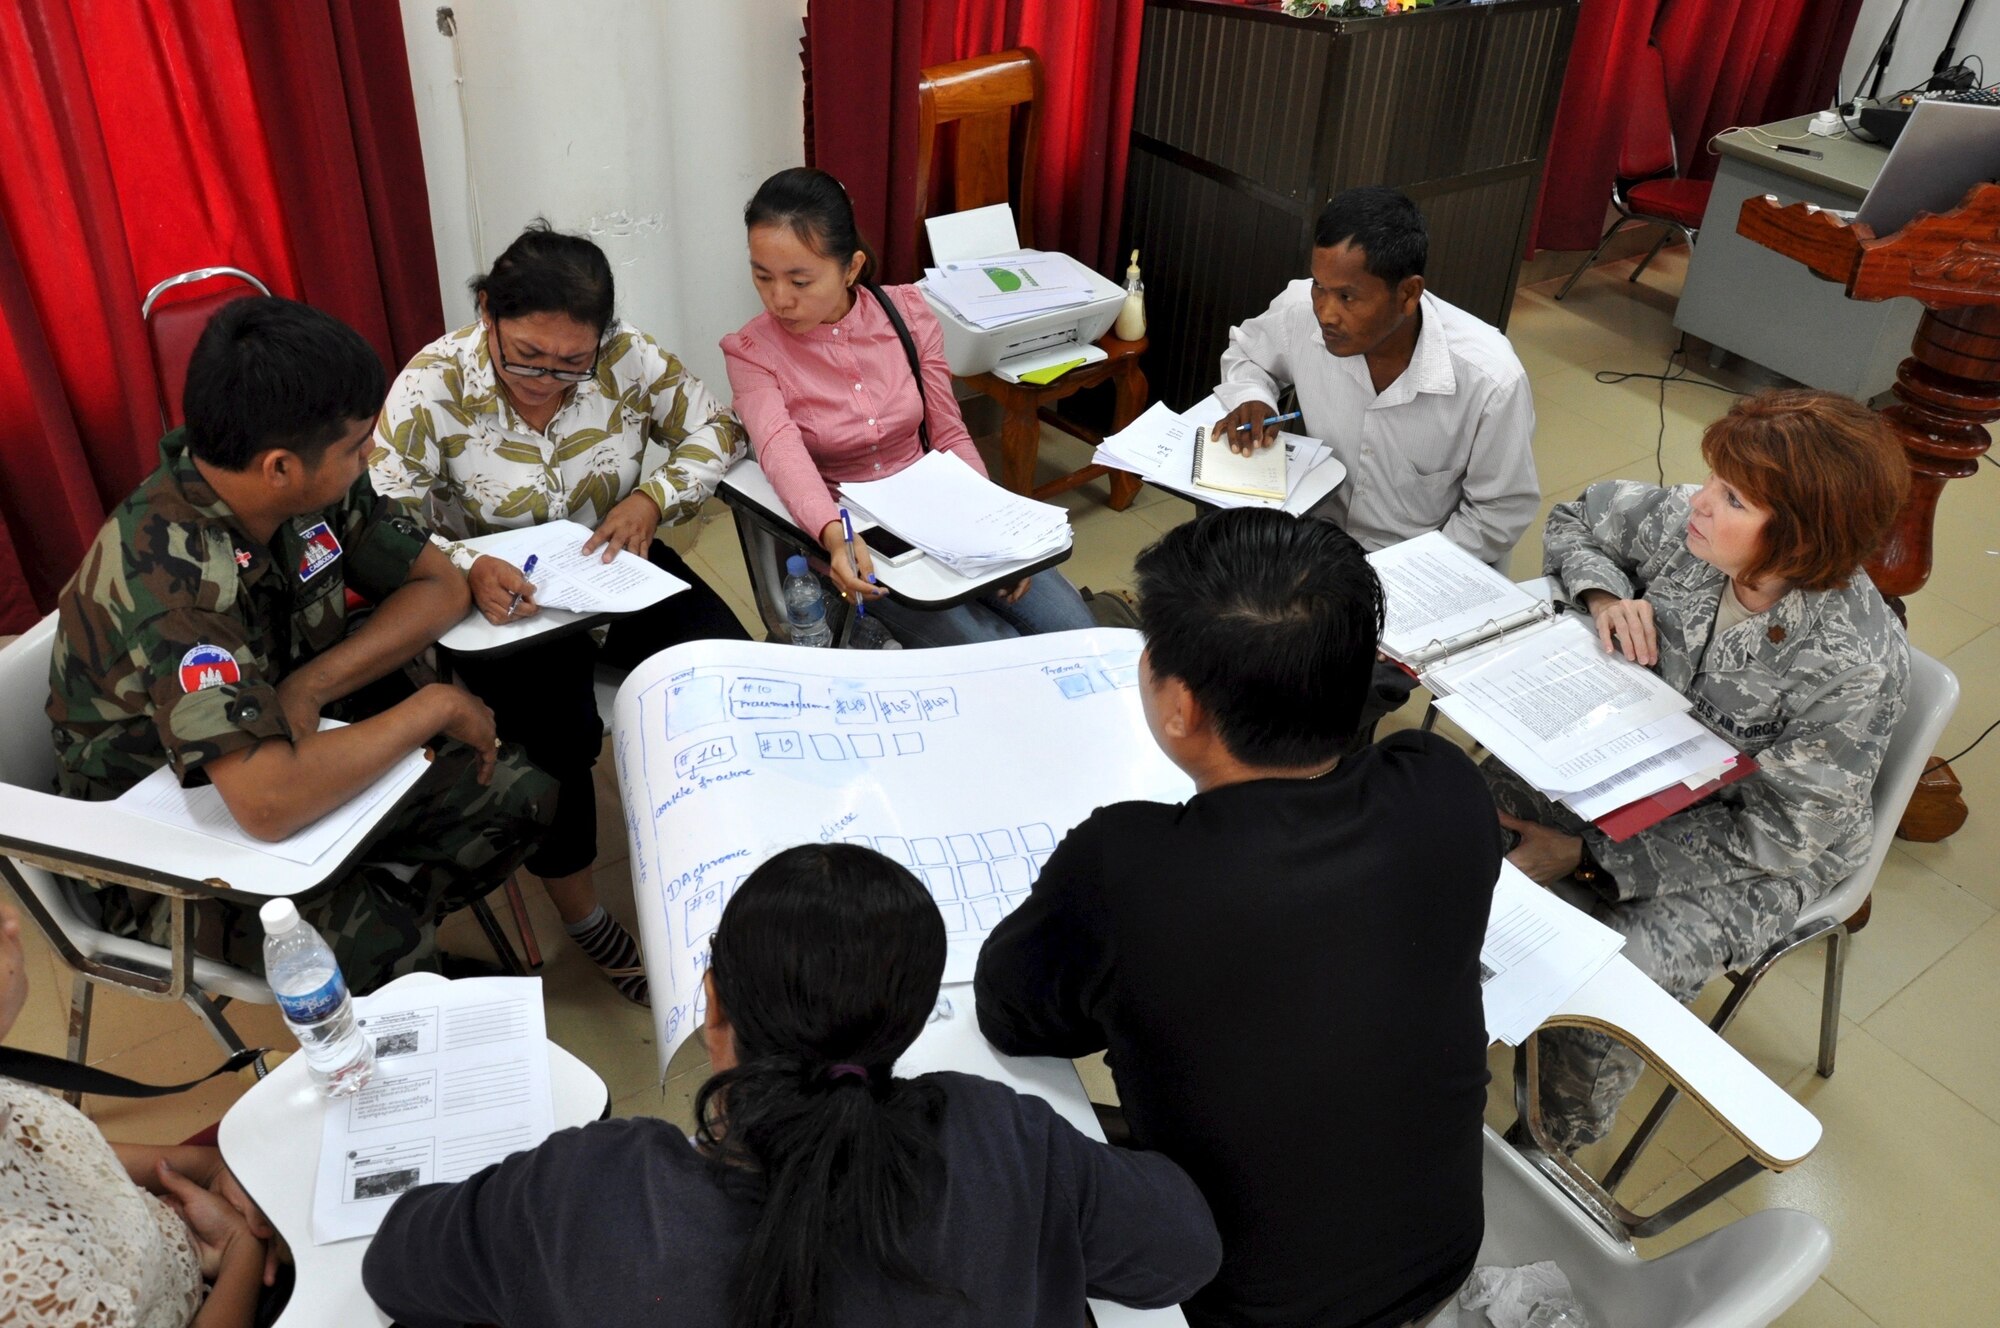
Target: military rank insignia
[(322, 551), (208, 666)]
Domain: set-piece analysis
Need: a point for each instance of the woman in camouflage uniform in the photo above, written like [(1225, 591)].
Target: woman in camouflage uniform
[(1747, 595)]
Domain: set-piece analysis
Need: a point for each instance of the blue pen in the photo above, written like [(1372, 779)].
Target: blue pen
[(527, 570), (847, 524), (1275, 419)]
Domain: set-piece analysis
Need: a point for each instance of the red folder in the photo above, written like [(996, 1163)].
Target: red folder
[(1647, 812)]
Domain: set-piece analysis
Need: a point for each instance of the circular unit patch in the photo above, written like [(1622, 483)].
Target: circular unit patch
[(208, 666)]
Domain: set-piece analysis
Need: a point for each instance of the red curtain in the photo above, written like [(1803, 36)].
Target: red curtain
[(862, 118), (150, 137), (1729, 62), (865, 56), (332, 83)]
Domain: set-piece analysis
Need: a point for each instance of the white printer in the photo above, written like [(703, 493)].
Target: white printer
[(1040, 339)]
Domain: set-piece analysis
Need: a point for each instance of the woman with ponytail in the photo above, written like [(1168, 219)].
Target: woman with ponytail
[(840, 379), (819, 1189)]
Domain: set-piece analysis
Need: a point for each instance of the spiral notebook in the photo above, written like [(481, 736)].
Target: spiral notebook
[(1261, 474)]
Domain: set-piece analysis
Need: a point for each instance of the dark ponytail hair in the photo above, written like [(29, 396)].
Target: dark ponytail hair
[(826, 963), (545, 271), (817, 209)]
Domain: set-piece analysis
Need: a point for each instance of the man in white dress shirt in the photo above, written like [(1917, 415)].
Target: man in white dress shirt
[(1426, 406)]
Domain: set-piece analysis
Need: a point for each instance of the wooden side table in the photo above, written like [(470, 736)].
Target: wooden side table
[(1025, 405)]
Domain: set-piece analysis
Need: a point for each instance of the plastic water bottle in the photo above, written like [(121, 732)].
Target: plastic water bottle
[(312, 997), (805, 606), (871, 633)]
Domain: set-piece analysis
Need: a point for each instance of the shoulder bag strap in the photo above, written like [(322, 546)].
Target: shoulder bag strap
[(909, 351), (33, 1067)]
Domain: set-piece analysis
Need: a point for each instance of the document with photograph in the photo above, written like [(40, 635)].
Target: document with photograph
[(461, 1082)]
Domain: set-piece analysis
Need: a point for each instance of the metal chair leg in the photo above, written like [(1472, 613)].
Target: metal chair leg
[(209, 1011), (531, 948), (503, 949), (81, 994), (1666, 233), (1616, 226), (1829, 1010)]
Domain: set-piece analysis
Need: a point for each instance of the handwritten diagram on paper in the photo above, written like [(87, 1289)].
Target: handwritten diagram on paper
[(966, 765)]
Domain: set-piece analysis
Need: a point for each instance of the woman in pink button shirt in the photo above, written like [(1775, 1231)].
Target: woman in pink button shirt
[(825, 389)]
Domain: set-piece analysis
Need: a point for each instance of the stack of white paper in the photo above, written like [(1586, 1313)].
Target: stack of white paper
[(1557, 708), (160, 797), (1159, 446), (1441, 599), (961, 518), (461, 1082), (1538, 951), (1586, 727), (565, 577), (1008, 287)]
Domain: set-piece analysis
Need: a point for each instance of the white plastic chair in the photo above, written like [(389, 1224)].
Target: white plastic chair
[(1743, 1276), (1933, 697), (162, 973)]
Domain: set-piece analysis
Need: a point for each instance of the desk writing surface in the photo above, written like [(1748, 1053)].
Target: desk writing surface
[(1620, 999), (60, 833), (922, 583), (1847, 165), (270, 1139)]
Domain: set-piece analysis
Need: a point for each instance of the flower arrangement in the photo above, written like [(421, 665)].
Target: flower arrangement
[(1351, 8)]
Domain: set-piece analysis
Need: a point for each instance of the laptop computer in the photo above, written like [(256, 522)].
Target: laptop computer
[(1947, 148)]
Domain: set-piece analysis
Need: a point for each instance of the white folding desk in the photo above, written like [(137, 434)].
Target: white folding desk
[(68, 835), (473, 635), (48, 830), (762, 523), (270, 1139)]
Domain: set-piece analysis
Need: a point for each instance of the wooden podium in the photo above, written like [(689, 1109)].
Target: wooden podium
[(1947, 391)]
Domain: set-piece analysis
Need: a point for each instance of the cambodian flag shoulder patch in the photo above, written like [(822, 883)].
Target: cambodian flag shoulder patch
[(322, 551), (208, 666)]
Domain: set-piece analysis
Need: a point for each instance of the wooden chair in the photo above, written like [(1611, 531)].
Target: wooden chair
[(994, 100)]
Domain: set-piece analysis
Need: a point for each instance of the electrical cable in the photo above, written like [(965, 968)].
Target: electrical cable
[(1676, 373), (1974, 743)]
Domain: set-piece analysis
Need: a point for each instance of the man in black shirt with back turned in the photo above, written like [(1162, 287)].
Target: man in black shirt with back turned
[(1284, 968)]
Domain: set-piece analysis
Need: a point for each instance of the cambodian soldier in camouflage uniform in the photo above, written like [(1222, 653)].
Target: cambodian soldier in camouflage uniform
[(1747, 596), (208, 629)]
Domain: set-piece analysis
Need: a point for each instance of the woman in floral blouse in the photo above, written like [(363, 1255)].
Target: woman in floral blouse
[(548, 408)]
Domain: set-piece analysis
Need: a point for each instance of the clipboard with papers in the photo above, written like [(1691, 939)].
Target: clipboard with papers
[(1607, 738)]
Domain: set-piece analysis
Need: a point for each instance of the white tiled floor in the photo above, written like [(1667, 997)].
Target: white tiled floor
[(1906, 1176)]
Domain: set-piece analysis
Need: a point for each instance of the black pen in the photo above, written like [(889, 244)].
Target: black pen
[(1814, 153)]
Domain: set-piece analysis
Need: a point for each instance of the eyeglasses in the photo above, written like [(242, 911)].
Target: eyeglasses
[(537, 371)]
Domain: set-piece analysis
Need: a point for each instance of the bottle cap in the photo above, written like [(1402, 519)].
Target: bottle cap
[(279, 916), (795, 565), (1133, 270)]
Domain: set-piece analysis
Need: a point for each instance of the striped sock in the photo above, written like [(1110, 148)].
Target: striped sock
[(612, 949)]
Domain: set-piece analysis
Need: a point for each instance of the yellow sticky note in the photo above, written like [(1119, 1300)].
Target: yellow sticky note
[(1043, 377)]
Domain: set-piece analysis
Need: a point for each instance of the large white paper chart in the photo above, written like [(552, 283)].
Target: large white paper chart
[(966, 764)]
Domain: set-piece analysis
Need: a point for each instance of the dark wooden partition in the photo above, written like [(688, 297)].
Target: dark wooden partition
[(1246, 120)]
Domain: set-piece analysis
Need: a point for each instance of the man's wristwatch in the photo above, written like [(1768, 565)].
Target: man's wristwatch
[(1587, 870)]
